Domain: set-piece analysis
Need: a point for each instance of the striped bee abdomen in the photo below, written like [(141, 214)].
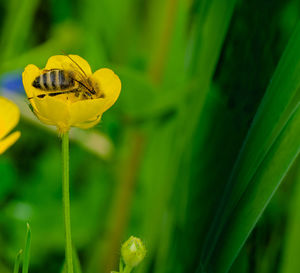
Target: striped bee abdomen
[(54, 80)]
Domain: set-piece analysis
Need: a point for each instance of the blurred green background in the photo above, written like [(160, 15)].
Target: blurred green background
[(198, 157)]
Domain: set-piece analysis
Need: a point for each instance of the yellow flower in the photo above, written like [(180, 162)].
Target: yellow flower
[(9, 117), (81, 104)]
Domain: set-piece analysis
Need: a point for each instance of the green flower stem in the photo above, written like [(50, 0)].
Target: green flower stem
[(66, 201), (127, 269)]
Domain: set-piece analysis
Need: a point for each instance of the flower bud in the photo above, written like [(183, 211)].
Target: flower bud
[(133, 251)]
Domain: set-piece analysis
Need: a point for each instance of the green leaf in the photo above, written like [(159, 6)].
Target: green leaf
[(205, 45), (263, 186), (143, 100), (277, 106)]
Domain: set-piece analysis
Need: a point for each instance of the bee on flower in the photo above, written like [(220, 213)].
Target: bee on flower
[(66, 93), (9, 118)]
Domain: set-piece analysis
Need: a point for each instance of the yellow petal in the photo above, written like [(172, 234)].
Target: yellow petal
[(28, 76), (88, 124), (73, 62), (8, 141), (54, 110), (86, 110), (9, 116), (109, 84), (43, 119)]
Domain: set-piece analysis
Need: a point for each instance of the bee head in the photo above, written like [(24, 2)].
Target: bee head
[(95, 89)]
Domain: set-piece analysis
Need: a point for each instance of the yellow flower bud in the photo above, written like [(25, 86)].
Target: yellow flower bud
[(66, 93), (133, 251), (9, 117)]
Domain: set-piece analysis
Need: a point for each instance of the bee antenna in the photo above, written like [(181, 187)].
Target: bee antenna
[(82, 84), (67, 55)]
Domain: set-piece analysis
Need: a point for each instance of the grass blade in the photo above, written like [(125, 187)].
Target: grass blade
[(264, 184), (203, 52), (291, 249), (26, 257), (18, 261), (281, 98)]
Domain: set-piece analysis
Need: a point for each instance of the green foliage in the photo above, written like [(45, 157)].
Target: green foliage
[(277, 112), (290, 248), (204, 134)]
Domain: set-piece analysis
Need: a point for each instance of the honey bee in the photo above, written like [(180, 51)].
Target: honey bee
[(59, 81)]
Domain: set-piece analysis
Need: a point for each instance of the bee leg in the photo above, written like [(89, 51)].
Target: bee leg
[(87, 95), (102, 96), (83, 96)]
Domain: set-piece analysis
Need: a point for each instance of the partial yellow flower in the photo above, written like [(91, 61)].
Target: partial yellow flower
[(9, 118), (67, 107)]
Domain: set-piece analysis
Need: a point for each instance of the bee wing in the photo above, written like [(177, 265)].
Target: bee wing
[(76, 68), (78, 75), (75, 72)]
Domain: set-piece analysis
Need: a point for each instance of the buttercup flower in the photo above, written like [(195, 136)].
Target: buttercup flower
[(66, 93), (9, 117)]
